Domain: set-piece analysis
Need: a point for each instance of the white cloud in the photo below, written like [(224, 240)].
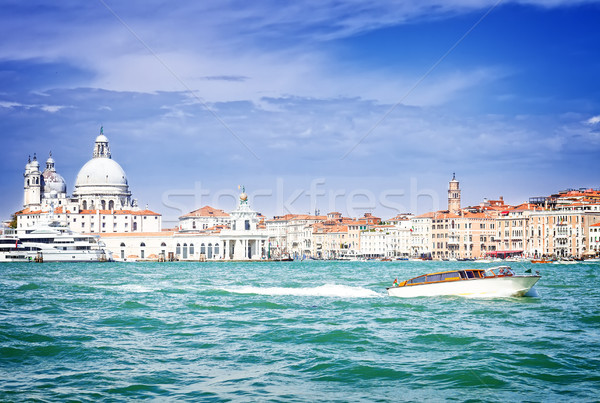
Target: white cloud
[(594, 120), (52, 108), (45, 108)]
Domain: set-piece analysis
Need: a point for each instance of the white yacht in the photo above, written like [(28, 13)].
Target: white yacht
[(50, 242)]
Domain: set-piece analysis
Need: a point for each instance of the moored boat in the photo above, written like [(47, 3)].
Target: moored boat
[(498, 281), (50, 241)]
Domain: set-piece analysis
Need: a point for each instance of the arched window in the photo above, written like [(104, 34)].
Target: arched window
[(185, 251), (217, 250), (191, 249), (103, 205), (111, 205), (210, 251), (122, 244), (142, 244), (247, 225), (84, 205), (178, 249), (134, 226), (27, 182), (202, 249), (163, 244)]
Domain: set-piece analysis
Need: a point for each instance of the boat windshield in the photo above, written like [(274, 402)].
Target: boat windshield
[(499, 271)]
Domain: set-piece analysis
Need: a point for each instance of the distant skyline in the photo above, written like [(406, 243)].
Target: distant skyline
[(385, 99)]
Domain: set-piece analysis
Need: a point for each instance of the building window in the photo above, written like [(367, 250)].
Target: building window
[(178, 249)]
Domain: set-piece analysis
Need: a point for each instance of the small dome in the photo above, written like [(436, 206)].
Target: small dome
[(53, 182), (102, 139), (101, 172)]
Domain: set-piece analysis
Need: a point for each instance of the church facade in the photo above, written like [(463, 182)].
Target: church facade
[(101, 200)]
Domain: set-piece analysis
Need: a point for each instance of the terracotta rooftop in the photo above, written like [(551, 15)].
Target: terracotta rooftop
[(206, 211)]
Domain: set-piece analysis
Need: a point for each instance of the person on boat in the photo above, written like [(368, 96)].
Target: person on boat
[(396, 283)]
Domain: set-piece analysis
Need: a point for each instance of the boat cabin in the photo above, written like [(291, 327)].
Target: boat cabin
[(457, 275)]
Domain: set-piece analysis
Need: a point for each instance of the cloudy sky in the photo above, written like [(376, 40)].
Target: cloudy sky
[(352, 106)]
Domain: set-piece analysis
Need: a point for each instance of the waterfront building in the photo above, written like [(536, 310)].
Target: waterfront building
[(277, 231), (513, 225), (594, 239), (299, 234), (244, 240), (402, 235), (441, 222), (421, 238), (203, 218), (561, 232), (101, 200), (477, 232), (378, 241), (330, 237)]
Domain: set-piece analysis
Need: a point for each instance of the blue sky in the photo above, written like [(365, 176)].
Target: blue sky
[(198, 97)]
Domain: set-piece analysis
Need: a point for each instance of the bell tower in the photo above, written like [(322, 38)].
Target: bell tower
[(454, 195), (33, 184)]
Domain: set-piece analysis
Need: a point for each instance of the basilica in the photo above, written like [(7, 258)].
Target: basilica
[(101, 201), (101, 204)]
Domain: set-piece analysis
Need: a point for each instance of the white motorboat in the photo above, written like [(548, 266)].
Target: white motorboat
[(498, 281), (51, 241)]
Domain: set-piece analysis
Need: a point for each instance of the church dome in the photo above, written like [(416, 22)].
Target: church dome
[(101, 176), (101, 172)]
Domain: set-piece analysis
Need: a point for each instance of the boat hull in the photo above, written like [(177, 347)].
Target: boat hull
[(513, 286)]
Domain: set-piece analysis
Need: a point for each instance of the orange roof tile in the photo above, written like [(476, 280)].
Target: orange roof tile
[(206, 211)]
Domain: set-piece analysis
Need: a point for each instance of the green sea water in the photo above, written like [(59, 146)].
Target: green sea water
[(290, 331)]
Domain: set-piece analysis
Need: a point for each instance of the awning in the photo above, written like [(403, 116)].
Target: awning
[(505, 253)]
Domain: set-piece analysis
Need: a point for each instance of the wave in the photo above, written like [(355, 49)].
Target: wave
[(327, 290)]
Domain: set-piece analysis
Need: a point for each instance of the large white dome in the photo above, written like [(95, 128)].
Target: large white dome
[(101, 172)]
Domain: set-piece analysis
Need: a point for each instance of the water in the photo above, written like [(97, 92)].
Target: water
[(290, 331)]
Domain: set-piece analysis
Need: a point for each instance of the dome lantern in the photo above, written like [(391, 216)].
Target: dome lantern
[(101, 148)]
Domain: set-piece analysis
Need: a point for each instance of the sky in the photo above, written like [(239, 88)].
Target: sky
[(348, 106)]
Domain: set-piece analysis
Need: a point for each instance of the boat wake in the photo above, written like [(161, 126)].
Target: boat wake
[(327, 290)]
